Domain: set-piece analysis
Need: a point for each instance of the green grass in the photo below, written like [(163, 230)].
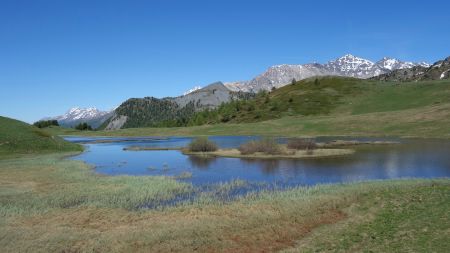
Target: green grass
[(51, 204), (17, 138), (418, 221), (401, 96)]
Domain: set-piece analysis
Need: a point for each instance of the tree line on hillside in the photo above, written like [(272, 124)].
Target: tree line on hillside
[(225, 112), (45, 123), (83, 127)]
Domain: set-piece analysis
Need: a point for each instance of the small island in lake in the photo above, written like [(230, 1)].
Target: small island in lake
[(268, 148), (296, 148), (293, 154)]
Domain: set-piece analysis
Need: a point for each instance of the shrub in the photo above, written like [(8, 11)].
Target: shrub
[(202, 144), (266, 146), (46, 123), (304, 144), (83, 126)]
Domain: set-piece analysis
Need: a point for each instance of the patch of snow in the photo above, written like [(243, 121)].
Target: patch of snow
[(192, 90), (77, 113), (423, 64)]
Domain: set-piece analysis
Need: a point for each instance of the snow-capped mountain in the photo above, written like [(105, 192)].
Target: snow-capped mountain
[(192, 90), (76, 115), (347, 65), (392, 64), (439, 70)]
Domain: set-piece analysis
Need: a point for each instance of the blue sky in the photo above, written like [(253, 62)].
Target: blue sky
[(59, 54)]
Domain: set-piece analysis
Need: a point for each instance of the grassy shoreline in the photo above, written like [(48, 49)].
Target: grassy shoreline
[(52, 204)]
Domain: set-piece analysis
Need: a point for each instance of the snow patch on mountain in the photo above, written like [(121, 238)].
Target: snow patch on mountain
[(192, 90), (78, 113), (393, 64), (424, 64)]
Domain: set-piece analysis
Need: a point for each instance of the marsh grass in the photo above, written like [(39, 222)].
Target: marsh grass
[(184, 175), (202, 144), (69, 184), (301, 144), (267, 146)]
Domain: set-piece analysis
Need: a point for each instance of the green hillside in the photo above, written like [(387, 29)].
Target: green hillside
[(17, 138), (329, 96)]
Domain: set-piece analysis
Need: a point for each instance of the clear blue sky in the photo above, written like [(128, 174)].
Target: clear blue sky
[(64, 53)]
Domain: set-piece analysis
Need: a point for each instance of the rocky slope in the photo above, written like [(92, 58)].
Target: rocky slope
[(347, 66), (439, 70)]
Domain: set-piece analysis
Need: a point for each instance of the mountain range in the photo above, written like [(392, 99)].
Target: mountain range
[(439, 70), (347, 66), (153, 111)]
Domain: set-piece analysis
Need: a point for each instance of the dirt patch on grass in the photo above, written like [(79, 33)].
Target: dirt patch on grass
[(179, 231), (270, 239)]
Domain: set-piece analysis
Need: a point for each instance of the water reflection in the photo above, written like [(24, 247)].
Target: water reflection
[(267, 166), (200, 162), (412, 158)]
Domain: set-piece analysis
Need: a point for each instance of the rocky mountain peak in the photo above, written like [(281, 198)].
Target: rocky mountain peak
[(347, 65)]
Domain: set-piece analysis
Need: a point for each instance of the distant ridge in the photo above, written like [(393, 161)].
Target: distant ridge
[(438, 71), (346, 66)]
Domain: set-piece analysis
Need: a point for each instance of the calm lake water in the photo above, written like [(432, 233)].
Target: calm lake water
[(410, 158)]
